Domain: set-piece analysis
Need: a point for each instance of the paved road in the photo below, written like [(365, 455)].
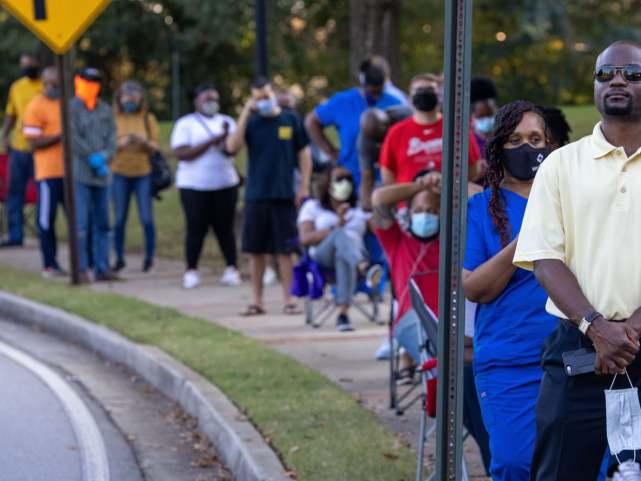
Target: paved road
[(66, 415), (345, 358)]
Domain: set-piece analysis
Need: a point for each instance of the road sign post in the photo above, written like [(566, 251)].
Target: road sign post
[(456, 109), (70, 198), (59, 24)]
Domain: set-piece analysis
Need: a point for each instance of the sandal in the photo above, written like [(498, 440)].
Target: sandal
[(291, 310), (253, 310)]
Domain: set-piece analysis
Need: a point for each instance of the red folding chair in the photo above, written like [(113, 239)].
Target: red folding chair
[(31, 197)]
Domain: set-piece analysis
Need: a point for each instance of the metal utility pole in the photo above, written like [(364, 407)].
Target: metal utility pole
[(456, 109), (262, 62), (62, 62)]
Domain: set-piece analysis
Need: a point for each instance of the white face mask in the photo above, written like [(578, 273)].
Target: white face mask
[(341, 190), (623, 418), (210, 108)]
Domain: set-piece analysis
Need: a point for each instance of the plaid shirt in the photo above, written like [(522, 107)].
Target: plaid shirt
[(91, 131)]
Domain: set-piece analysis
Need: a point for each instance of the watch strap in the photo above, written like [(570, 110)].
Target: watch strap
[(586, 321)]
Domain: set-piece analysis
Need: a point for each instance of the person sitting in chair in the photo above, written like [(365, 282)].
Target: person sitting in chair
[(332, 227)]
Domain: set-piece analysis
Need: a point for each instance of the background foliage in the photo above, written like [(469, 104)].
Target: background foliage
[(538, 49)]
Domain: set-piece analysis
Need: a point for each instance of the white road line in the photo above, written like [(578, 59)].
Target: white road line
[(95, 465)]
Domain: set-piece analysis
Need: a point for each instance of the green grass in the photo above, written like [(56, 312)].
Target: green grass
[(320, 432), (582, 119)]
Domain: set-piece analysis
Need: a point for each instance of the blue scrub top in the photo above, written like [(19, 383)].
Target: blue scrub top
[(343, 110), (511, 330)]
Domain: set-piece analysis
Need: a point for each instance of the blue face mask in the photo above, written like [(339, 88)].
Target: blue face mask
[(484, 125), (130, 107), (266, 107), (424, 225)]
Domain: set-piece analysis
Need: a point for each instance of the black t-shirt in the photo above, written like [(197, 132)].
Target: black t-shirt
[(273, 145)]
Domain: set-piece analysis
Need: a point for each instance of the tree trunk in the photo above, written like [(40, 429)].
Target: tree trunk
[(375, 30)]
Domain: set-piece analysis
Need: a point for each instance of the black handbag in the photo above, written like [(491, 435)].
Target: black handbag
[(161, 176)]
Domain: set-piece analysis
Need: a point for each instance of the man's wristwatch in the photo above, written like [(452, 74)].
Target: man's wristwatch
[(586, 321)]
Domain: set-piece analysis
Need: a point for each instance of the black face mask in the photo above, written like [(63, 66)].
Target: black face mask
[(425, 100), (524, 161), (31, 72)]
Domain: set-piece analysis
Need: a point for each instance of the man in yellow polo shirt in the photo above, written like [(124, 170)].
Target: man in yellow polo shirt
[(43, 130), (22, 92), (582, 236)]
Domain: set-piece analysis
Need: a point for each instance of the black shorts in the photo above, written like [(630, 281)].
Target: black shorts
[(269, 227)]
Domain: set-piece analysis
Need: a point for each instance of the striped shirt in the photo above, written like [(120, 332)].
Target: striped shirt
[(91, 131)]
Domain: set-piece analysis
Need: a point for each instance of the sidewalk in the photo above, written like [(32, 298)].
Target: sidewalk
[(345, 358)]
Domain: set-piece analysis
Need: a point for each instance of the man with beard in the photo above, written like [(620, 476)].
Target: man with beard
[(581, 236)]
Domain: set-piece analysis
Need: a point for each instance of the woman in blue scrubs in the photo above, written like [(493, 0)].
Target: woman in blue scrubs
[(511, 322)]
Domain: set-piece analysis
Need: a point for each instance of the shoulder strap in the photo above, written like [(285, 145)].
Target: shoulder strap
[(145, 119), (203, 123)]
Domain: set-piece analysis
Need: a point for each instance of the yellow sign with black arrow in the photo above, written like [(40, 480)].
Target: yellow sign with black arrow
[(58, 23)]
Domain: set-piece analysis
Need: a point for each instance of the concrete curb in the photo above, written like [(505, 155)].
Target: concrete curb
[(240, 446)]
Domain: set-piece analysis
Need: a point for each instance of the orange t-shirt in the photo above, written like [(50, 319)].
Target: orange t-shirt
[(42, 118)]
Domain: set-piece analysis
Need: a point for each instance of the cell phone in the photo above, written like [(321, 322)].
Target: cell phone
[(579, 362)]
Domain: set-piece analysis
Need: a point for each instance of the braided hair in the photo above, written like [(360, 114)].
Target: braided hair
[(508, 118)]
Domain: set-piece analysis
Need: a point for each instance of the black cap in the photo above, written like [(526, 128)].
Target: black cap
[(91, 74)]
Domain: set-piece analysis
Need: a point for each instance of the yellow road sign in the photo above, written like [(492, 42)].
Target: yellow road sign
[(58, 23)]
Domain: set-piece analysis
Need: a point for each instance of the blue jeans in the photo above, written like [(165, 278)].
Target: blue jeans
[(20, 171), (122, 189), (92, 211), (50, 196)]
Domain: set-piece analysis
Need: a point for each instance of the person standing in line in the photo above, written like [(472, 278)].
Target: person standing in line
[(581, 236), (21, 93), (138, 135), (208, 182), (343, 110), (416, 143), (93, 143), (276, 143), (511, 324), (43, 129)]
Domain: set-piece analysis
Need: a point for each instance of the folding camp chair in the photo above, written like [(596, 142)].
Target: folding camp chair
[(31, 197), (319, 308), (427, 331)]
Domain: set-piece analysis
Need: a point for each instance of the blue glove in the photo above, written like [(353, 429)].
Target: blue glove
[(98, 162)]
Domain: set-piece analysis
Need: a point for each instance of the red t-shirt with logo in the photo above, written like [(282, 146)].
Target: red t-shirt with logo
[(410, 147), (410, 257)]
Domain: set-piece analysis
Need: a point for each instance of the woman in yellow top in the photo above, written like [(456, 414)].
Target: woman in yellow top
[(137, 139)]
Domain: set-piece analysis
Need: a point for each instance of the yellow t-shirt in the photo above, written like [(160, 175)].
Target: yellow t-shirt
[(21, 93), (133, 161), (42, 118)]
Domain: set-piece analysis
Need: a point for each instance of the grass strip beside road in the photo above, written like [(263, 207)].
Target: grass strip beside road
[(320, 432)]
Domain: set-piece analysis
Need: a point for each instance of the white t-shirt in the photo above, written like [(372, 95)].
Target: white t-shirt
[(212, 170), (356, 225)]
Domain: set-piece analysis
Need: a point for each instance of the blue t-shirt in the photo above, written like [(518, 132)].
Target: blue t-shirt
[(510, 330), (273, 145), (343, 110)]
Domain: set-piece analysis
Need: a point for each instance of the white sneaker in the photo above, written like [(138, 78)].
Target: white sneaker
[(269, 277), (231, 277), (191, 279)]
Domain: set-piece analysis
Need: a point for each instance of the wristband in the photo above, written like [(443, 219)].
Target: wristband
[(587, 320)]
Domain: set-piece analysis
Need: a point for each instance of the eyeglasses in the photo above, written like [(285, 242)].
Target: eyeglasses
[(605, 73)]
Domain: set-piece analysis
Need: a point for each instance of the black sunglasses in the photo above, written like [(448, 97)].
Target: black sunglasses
[(340, 178), (605, 73)]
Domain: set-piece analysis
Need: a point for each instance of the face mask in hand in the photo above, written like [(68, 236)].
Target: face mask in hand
[(341, 190), (524, 161), (210, 108), (623, 418), (424, 225)]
